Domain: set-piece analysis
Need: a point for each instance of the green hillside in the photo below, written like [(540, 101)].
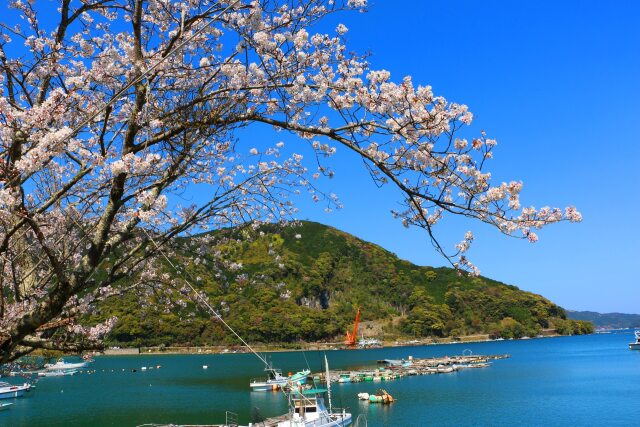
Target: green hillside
[(305, 282)]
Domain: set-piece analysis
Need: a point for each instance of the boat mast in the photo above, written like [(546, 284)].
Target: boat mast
[(326, 366)]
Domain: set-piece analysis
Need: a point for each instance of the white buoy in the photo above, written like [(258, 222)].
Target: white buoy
[(205, 366), (144, 368)]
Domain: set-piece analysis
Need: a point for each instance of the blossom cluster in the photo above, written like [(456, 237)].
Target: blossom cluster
[(116, 126)]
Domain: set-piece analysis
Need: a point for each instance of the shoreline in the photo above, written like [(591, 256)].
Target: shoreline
[(313, 346)]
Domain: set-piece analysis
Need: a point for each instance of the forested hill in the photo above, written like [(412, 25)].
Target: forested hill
[(305, 282), (607, 320)]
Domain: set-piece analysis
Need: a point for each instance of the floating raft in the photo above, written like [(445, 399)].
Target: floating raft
[(394, 369)]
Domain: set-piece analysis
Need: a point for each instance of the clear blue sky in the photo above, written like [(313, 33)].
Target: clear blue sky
[(558, 85)]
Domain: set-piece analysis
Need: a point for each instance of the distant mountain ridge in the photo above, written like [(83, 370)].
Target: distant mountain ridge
[(606, 320)]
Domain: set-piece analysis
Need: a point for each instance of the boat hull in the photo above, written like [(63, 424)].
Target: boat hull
[(61, 366), (278, 383), (12, 392), (267, 386), (634, 346), (59, 373), (336, 420)]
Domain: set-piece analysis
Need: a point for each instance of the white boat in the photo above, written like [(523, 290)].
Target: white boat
[(8, 391), (58, 373), (276, 380), (369, 343), (635, 345), (61, 365), (307, 408), (445, 369)]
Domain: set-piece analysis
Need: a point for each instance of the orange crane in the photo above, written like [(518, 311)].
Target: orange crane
[(351, 337)]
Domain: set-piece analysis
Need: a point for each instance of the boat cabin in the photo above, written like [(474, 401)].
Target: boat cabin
[(635, 345), (308, 401)]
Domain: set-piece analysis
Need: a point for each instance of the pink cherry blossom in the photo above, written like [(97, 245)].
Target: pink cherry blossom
[(124, 109)]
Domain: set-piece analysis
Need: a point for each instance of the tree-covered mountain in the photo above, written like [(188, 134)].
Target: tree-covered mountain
[(305, 282), (607, 320)]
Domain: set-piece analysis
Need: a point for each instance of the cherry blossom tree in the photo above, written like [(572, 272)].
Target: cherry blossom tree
[(114, 112)]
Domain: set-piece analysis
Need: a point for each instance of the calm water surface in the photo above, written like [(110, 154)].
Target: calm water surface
[(579, 381)]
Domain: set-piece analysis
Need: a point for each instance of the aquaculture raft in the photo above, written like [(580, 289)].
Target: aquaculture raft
[(410, 366)]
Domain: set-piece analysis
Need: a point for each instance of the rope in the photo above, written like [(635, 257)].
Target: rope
[(203, 300), (219, 317)]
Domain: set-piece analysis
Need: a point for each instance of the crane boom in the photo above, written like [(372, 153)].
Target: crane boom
[(351, 337)]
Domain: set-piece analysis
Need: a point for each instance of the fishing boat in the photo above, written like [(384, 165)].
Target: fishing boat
[(8, 391), (369, 343), (635, 345), (58, 373), (62, 365), (307, 408), (276, 381), (397, 362), (344, 378)]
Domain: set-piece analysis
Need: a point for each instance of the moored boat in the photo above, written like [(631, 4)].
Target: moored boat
[(308, 409), (345, 378), (8, 391), (62, 365), (276, 380), (397, 362), (58, 373), (635, 345)]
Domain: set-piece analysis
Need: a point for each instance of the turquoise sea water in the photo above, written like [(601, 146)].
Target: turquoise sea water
[(578, 381)]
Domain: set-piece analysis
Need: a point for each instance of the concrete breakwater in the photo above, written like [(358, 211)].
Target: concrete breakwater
[(392, 369)]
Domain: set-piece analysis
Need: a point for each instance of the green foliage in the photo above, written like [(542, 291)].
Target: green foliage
[(428, 320), (573, 327), (305, 283)]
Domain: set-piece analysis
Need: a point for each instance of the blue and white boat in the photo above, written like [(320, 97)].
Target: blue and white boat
[(397, 362), (9, 391), (276, 381), (635, 345), (307, 408)]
